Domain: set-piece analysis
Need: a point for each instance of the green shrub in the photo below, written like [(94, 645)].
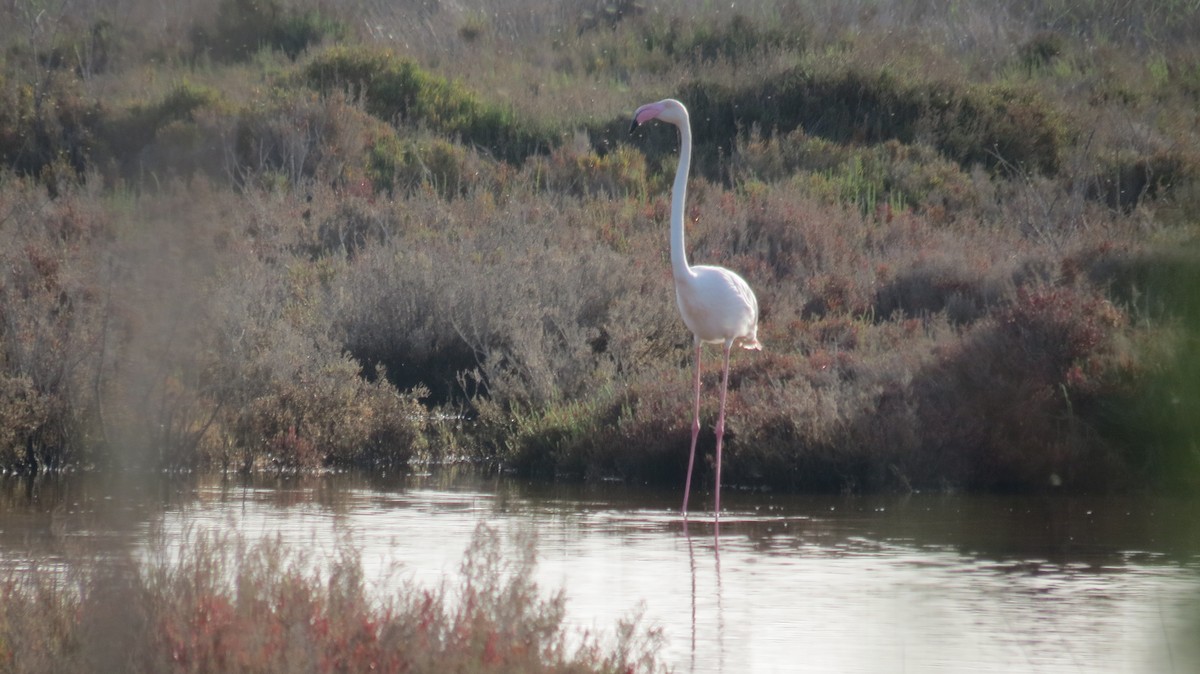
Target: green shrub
[(399, 91), (86, 52), (563, 439), (734, 39), (653, 43), (585, 173), (1041, 50), (1150, 417), (243, 27), (641, 433), (401, 166), (994, 125), (300, 29), (999, 127), (1123, 181), (48, 129), (178, 128)]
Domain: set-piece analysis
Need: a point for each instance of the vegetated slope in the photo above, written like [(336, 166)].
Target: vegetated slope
[(364, 235)]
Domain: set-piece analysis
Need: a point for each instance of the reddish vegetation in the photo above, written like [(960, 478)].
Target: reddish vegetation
[(230, 606)]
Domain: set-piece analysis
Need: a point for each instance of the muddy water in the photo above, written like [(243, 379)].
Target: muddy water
[(920, 583)]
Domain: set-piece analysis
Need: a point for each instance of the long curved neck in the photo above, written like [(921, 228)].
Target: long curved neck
[(679, 263)]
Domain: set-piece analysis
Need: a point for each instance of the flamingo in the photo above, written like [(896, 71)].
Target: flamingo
[(716, 304)]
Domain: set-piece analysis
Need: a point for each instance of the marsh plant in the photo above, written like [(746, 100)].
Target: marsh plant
[(375, 233), (220, 602)]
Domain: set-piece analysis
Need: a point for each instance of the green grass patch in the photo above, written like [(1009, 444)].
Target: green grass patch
[(997, 126), (400, 91)]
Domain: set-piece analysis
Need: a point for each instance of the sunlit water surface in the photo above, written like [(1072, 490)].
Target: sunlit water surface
[(792, 584)]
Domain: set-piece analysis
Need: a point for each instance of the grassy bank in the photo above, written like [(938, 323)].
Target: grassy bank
[(223, 604), (368, 235)]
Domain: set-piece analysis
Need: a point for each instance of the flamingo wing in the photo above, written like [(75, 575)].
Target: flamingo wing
[(718, 305)]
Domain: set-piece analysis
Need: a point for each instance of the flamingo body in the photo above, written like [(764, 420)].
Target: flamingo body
[(716, 304)]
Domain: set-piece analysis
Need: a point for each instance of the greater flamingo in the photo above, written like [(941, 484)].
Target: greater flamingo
[(717, 305)]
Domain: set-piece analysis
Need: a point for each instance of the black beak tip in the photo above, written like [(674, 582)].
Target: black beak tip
[(633, 126)]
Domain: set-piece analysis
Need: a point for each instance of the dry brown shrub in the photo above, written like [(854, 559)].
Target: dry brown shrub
[(1008, 404), (519, 295), (55, 320)]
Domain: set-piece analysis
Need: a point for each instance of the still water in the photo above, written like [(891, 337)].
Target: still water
[(918, 583)]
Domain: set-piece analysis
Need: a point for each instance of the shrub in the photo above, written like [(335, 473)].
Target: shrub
[(516, 295), (560, 439), (48, 129), (998, 127), (933, 286), (1041, 50), (995, 126), (173, 134), (398, 90), (584, 173), (55, 323), (350, 230), (1149, 416), (1009, 406), (282, 393), (329, 416), (302, 138), (223, 603), (883, 179), (402, 166), (735, 39), (86, 51), (654, 43), (25, 413), (243, 27), (607, 14), (1122, 182)]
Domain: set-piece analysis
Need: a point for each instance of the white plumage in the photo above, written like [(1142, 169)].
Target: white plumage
[(716, 304)]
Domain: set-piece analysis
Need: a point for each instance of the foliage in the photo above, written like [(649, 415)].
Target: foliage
[(394, 164), (1044, 361), (993, 125), (166, 134), (229, 604), (227, 242), (48, 128), (398, 90), (242, 27)]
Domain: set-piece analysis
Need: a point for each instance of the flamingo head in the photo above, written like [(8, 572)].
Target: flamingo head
[(667, 110)]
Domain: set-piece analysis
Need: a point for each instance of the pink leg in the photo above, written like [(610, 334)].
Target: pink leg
[(721, 425), (687, 487)]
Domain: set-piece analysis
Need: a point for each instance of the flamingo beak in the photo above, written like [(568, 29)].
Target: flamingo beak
[(644, 114)]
